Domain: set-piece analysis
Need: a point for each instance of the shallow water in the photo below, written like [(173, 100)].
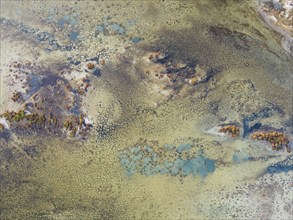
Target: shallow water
[(130, 100)]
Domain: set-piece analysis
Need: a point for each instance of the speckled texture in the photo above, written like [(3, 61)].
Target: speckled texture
[(180, 161), (152, 83)]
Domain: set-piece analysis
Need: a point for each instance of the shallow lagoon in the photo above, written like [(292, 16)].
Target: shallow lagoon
[(146, 110)]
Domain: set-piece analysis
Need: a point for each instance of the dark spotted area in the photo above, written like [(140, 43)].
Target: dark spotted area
[(73, 178), (236, 39), (250, 123), (5, 134), (282, 166), (41, 37), (32, 150), (104, 130)]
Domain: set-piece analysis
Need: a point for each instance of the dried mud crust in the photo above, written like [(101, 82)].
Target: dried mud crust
[(278, 15)]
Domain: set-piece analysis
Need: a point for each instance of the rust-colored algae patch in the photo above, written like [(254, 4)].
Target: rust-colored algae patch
[(232, 130), (90, 66), (277, 139), (72, 124)]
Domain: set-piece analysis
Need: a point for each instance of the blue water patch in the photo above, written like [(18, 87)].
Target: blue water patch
[(144, 160), (135, 40), (210, 165), (236, 159), (106, 26), (279, 168), (73, 22), (106, 20), (73, 35), (61, 23), (97, 72), (182, 147), (67, 19), (100, 28), (119, 29), (240, 156), (282, 166)]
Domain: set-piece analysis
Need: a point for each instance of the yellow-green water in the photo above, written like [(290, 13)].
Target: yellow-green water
[(63, 178)]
